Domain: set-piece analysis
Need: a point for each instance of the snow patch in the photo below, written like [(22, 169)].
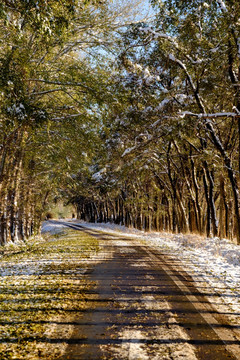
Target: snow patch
[(52, 228)]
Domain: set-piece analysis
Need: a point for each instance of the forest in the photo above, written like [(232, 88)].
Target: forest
[(132, 118)]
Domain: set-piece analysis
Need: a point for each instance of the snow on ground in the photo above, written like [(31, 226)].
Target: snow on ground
[(52, 227), (212, 260), (40, 280)]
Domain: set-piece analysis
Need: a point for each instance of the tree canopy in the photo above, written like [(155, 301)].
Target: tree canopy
[(132, 120)]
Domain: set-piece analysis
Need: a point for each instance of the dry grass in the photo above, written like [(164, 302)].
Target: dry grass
[(42, 287)]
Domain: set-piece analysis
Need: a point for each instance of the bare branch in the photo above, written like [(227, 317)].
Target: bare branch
[(60, 83), (44, 92)]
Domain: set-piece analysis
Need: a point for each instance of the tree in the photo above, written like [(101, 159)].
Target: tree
[(178, 102), (45, 79)]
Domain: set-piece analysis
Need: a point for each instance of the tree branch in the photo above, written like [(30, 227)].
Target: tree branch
[(60, 83)]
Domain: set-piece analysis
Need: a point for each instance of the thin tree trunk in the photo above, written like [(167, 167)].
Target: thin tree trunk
[(214, 221)]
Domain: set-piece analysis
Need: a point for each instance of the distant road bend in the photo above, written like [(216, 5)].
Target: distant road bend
[(145, 306)]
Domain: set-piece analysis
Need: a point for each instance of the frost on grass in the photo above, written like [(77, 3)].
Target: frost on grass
[(41, 287)]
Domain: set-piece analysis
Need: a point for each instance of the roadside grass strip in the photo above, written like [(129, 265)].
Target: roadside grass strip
[(42, 288)]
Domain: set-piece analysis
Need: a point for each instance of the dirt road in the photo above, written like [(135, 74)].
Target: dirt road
[(145, 306)]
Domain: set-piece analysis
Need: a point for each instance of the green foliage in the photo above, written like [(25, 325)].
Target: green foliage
[(51, 94), (77, 90)]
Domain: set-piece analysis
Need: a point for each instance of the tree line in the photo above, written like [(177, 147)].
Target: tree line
[(48, 79), (137, 124), (172, 140)]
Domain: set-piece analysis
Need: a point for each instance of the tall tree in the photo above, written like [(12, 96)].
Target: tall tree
[(45, 79)]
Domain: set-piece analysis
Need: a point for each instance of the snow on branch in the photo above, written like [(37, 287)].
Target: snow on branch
[(156, 35), (98, 176), (159, 35), (205, 116), (183, 66), (162, 104), (128, 150), (222, 5)]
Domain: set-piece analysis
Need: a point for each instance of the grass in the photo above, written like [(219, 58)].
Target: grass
[(42, 289)]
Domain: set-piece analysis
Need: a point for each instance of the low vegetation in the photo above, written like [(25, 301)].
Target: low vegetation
[(43, 286)]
